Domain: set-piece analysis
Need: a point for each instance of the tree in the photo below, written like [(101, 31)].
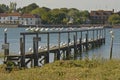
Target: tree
[(3, 8), (43, 12), (114, 19), (29, 8)]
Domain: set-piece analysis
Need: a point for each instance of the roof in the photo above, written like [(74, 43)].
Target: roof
[(14, 14), (3, 14), (100, 12), (27, 16)]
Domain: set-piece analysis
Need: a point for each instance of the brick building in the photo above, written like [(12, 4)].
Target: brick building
[(100, 16)]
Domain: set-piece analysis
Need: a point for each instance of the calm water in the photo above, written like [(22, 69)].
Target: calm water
[(103, 51)]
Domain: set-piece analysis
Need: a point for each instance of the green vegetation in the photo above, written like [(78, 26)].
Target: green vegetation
[(1, 54), (114, 19), (49, 16), (68, 70)]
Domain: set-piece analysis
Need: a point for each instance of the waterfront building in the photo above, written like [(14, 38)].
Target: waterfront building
[(100, 16), (20, 19)]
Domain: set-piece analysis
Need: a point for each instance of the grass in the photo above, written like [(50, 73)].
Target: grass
[(68, 70), (1, 54)]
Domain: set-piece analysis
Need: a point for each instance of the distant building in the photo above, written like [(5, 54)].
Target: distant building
[(17, 18), (100, 16)]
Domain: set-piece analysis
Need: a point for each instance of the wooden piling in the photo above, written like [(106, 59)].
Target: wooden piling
[(35, 51), (80, 45), (47, 55), (68, 49), (86, 42), (22, 50), (58, 53)]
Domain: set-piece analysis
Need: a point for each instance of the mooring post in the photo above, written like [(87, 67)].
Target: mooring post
[(81, 35), (100, 36), (58, 54), (87, 42), (97, 38), (80, 47), (22, 42), (68, 49), (48, 45), (104, 34), (76, 41), (75, 50), (93, 44), (21, 49), (6, 50), (35, 50)]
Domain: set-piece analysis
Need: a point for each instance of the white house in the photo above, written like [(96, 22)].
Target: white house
[(13, 18), (17, 18), (3, 17), (29, 19)]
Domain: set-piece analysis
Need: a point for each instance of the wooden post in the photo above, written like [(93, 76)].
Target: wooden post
[(76, 42), (76, 36), (100, 36), (86, 42), (93, 44), (6, 51), (58, 54), (47, 55), (35, 51), (68, 49), (81, 35), (104, 34), (97, 38), (80, 47), (22, 50), (111, 48), (75, 50)]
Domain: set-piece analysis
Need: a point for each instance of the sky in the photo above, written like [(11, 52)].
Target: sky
[(78, 4)]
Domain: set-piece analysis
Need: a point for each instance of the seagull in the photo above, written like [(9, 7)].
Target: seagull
[(30, 49), (28, 29), (5, 30), (37, 29)]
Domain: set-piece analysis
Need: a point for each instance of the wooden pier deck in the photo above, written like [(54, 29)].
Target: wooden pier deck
[(41, 56)]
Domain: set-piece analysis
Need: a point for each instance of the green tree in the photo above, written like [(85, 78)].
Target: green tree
[(57, 16), (3, 8), (114, 19), (43, 12), (29, 8)]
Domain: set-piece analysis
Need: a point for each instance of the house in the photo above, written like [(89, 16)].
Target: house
[(13, 18), (19, 19), (30, 19), (3, 18), (100, 16)]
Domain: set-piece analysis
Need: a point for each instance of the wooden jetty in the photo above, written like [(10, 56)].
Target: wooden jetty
[(41, 56)]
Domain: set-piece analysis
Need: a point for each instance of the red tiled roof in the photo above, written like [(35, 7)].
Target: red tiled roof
[(27, 16), (3, 15), (14, 14)]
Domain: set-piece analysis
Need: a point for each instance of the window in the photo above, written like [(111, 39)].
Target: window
[(10, 18)]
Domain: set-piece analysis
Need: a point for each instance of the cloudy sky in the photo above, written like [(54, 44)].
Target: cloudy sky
[(79, 4)]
